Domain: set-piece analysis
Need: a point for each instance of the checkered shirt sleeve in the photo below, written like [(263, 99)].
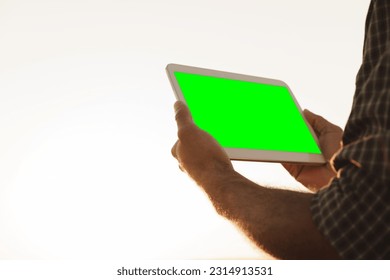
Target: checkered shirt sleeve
[(353, 212)]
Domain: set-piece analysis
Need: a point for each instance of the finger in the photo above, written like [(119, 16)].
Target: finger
[(293, 169), (174, 153), (183, 115), (174, 149), (313, 119), (319, 124)]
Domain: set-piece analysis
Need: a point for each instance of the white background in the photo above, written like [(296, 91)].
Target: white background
[(86, 118)]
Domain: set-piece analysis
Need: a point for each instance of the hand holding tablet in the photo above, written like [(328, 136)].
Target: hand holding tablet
[(252, 118)]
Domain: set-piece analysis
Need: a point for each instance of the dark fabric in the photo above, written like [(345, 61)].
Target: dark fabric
[(354, 211)]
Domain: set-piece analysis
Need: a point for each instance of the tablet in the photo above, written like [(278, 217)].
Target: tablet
[(252, 118)]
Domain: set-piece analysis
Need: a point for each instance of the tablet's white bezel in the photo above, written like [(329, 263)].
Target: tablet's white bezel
[(248, 154)]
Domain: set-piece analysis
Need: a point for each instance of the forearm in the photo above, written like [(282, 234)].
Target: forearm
[(278, 221)]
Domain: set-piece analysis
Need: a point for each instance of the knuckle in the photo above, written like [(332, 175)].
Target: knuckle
[(185, 132), (180, 114), (174, 150)]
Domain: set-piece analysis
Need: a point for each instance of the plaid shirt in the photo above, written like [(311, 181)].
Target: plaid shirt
[(354, 211)]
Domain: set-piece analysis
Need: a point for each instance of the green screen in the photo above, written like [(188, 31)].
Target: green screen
[(241, 114)]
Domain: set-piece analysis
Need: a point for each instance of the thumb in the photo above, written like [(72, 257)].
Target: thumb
[(318, 123), (183, 115)]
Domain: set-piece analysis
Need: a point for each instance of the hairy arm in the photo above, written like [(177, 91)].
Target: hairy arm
[(278, 221)]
